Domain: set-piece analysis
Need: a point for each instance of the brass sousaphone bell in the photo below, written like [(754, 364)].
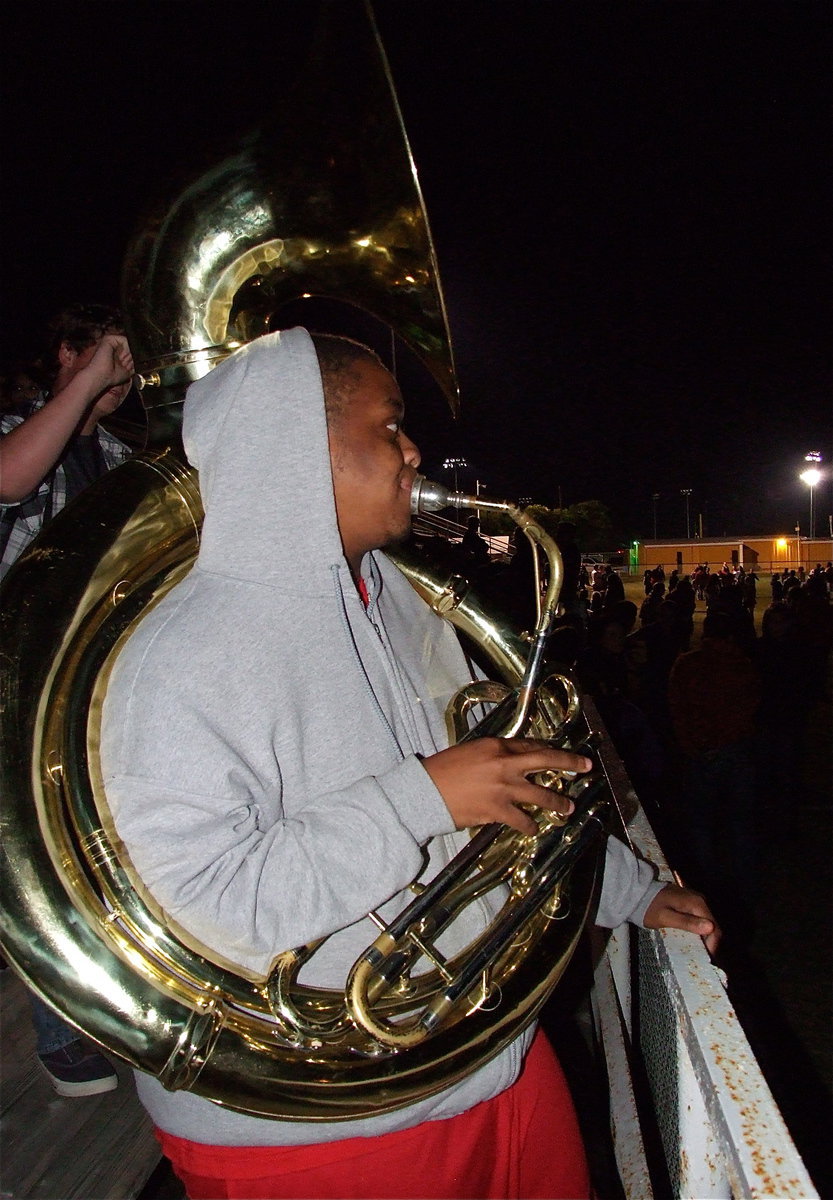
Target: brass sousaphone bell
[(303, 208)]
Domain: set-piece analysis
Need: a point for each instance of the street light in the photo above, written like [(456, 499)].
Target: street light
[(811, 477), (655, 499), (687, 493), (454, 464)]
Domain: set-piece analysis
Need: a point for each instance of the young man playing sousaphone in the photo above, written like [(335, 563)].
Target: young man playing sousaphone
[(275, 779)]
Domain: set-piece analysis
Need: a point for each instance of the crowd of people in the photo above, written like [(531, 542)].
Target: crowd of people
[(712, 728)]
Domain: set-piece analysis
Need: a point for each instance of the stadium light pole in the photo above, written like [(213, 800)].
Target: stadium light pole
[(811, 477), (687, 493), (454, 464)]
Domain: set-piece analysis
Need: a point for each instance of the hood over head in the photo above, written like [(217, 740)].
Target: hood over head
[(256, 430)]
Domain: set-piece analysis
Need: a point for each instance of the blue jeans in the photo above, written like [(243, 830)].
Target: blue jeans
[(51, 1031)]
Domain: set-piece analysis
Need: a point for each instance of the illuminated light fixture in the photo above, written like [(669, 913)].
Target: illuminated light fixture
[(454, 464), (811, 477)]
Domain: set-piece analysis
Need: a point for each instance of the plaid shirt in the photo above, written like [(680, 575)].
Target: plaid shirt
[(20, 523)]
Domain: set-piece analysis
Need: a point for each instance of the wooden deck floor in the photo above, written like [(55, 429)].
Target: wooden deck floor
[(92, 1148)]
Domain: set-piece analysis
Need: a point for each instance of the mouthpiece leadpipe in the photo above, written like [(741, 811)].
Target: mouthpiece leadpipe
[(427, 496)]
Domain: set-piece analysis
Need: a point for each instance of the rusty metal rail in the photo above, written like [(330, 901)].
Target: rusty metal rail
[(660, 1002)]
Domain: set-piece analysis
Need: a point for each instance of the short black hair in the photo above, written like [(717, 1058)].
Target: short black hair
[(80, 326), (336, 355)]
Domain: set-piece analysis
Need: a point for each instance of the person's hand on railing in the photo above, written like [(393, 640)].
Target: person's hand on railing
[(677, 907)]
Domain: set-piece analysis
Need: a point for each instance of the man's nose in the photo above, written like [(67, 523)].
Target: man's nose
[(410, 450)]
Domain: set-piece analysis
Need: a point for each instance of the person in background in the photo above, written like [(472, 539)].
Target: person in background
[(51, 448), (649, 607), (714, 693), (20, 388), (614, 589), (565, 539), (51, 445), (473, 545)]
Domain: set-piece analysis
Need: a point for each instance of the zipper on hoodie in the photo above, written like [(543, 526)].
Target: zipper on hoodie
[(342, 607), (394, 672), (480, 904)]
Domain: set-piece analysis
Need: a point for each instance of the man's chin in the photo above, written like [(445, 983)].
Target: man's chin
[(398, 537)]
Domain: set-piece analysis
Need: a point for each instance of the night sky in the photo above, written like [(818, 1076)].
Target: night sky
[(630, 203)]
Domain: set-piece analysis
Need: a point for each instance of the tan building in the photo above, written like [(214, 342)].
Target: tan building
[(777, 552)]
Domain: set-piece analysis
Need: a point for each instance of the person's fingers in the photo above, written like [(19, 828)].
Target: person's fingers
[(541, 756), (712, 940), (506, 808), (485, 780), (509, 814), (528, 756), (113, 359), (526, 792), (697, 906), (678, 907), (675, 919)]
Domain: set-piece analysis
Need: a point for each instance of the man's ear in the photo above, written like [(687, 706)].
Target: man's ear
[(66, 354)]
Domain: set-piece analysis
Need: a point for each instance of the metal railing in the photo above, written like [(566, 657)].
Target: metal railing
[(432, 525), (658, 1001)]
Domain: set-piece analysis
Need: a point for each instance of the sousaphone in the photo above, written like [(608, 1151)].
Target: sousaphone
[(324, 202)]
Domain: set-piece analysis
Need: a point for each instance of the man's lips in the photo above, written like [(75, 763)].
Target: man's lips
[(406, 479)]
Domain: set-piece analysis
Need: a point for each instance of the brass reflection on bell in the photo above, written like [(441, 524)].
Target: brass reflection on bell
[(322, 200)]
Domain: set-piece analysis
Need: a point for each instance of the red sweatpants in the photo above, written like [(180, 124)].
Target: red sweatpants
[(522, 1145)]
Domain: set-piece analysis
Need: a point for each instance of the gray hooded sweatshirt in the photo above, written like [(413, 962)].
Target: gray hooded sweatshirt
[(262, 730)]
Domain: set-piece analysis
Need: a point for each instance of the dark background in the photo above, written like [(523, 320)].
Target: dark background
[(631, 206)]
